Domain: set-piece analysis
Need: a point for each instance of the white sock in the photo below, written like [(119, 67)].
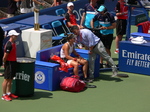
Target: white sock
[(8, 93), (4, 94)]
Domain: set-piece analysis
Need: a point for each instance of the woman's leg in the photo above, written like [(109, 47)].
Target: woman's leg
[(75, 65), (85, 66)]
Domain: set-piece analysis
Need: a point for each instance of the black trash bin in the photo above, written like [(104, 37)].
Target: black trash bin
[(23, 83)]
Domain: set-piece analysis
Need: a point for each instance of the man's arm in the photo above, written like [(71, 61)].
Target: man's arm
[(7, 50), (113, 25), (91, 40), (82, 19), (5, 57), (92, 23), (37, 2)]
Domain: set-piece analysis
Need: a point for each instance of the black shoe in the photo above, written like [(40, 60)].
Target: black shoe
[(101, 65), (107, 66), (117, 65), (86, 80)]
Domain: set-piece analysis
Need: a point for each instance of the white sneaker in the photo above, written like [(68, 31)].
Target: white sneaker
[(116, 51), (115, 71)]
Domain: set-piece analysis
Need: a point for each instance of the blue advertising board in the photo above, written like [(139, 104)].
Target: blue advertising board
[(134, 58)]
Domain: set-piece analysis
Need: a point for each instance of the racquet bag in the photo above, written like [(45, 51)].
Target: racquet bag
[(72, 84)]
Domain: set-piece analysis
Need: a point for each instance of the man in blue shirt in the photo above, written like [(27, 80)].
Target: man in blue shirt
[(107, 24), (90, 40), (90, 10)]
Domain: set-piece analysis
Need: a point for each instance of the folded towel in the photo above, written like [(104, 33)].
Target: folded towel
[(138, 40)]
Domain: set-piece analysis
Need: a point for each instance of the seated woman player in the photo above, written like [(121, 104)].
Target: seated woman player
[(65, 54)]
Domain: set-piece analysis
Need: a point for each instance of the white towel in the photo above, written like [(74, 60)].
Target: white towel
[(138, 40)]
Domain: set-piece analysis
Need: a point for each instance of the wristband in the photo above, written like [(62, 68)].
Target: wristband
[(75, 59)]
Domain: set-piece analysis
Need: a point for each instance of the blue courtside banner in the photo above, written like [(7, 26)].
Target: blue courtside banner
[(135, 60)]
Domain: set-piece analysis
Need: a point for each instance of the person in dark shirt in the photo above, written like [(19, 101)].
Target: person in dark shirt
[(1, 47), (107, 23), (12, 8), (90, 10), (121, 23), (9, 61)]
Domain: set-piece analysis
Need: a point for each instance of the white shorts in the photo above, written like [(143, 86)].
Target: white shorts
[(69, 61)]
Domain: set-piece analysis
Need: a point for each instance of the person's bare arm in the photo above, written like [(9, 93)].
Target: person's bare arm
[(92, 23), (54, 3), (82, 19), (109, 27), (5, 57), (37, 2)]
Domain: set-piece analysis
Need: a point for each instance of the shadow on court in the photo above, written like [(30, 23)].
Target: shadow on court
[(108, 78), (38, 95)]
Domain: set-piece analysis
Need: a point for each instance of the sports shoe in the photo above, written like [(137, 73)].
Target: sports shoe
[(107, 66), (6, 97), (87, 80), (115, 71), (116, 51), (13, 96), (90, 80), (101, 65)]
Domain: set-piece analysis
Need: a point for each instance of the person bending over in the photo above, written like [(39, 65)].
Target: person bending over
[(95, 46)]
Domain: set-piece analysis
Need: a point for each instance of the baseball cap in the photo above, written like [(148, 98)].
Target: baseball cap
[(101, 8), (70, 4), (12, 32)]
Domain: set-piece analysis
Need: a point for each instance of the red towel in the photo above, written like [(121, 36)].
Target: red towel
[(145, 26)]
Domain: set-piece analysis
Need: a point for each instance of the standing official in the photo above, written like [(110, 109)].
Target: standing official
[(107, 24), (9, 60), (121, 13)]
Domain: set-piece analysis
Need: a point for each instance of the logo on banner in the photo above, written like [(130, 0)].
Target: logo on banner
[(39, 77), (136, 58)]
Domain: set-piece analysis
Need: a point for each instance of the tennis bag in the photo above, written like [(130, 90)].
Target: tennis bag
[(72, 84)]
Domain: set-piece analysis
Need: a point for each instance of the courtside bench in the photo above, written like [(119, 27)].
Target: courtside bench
[(145, 35), (48, 76)]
